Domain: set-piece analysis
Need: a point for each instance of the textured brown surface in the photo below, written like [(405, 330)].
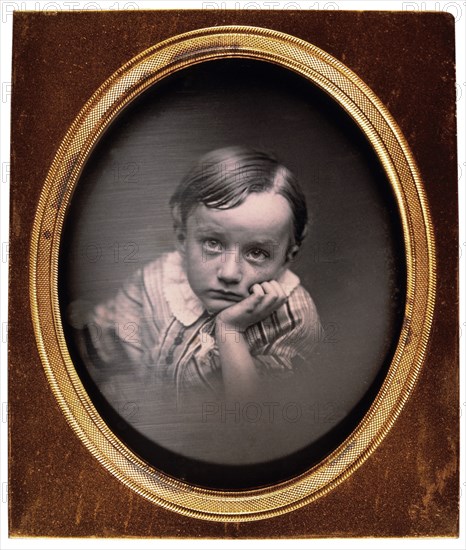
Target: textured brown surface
[(409, 487)]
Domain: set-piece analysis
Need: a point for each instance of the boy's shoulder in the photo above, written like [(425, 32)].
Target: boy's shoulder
[(166, 268), (151, 278), (170, 260), (300, 304), (289, 281)]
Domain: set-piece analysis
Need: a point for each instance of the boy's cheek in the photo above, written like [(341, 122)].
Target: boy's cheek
[(262, 275), (281, 271)]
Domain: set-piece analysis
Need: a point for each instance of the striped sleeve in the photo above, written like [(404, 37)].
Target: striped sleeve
[(283, 343)]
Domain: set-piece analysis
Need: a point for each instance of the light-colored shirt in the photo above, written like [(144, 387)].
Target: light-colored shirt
[(158, 328)]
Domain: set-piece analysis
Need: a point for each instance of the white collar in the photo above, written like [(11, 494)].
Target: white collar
[(182, 300)]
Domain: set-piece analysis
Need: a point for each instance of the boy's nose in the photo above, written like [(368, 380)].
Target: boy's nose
[(229, 270)]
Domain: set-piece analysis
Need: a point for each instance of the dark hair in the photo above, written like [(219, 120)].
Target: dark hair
[(224, 178)]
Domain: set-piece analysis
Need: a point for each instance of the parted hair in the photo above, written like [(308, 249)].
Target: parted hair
[(223, 178)]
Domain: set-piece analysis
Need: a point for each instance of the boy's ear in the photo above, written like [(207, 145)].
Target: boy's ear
[(291, 254), (180, 239)]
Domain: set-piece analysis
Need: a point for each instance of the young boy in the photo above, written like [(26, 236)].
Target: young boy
[(223, 312)]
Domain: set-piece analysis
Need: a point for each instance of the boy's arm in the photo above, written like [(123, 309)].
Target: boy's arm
[(240, 376), (109, 335), (288, 337)]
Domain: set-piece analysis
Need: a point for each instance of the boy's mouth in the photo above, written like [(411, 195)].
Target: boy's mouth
[(226, 295)]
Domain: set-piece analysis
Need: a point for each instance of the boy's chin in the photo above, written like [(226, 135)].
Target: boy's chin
[(216, 306), (213, 310)]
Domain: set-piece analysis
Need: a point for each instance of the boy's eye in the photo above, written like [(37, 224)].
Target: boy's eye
[(257, 254), (212, 245)]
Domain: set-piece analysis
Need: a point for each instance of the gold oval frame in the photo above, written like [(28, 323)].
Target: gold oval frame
[(393, 152)]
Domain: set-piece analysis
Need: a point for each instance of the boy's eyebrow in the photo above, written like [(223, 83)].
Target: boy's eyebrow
[(200, 228), (264, 242)]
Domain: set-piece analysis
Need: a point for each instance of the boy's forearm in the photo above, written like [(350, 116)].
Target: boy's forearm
[(239, 373)]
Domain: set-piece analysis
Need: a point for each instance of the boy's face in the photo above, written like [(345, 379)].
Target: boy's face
[(227, 251)]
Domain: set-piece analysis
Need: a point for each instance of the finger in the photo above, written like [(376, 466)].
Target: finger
[(279, 290), (271, 294), (254, 299), (275, 296), (268, 288), (257, 290)]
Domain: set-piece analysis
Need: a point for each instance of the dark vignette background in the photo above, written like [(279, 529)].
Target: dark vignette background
[(352, 261)]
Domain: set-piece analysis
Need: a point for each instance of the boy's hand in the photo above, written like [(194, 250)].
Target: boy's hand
[(264, 299)]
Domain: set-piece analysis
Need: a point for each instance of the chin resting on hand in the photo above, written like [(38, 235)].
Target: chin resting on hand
[(264, 299)]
